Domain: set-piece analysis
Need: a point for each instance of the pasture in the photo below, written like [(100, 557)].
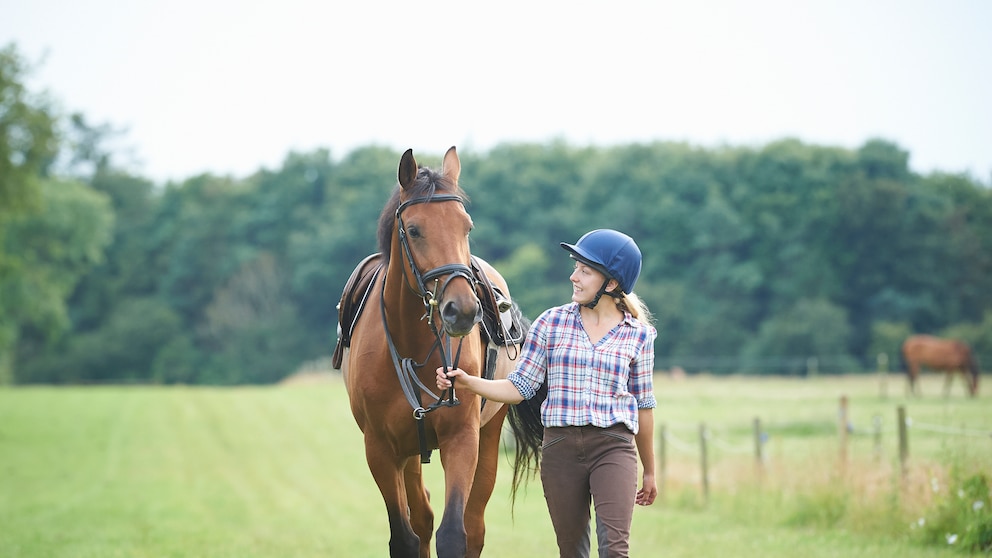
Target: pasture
[(280, 471)]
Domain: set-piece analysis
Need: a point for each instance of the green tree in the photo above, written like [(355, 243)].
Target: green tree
[(978, 335), (122, 349), (28, 136), (252, 327), (27, 148), (51, 250), (887, 339), (810, 329)]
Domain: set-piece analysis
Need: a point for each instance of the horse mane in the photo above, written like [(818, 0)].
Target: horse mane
[(428, 183)]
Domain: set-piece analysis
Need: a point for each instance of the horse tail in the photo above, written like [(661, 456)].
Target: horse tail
[(526, 426), (528, 434)]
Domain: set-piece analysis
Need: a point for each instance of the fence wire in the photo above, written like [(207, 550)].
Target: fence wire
[(680, 445), (730, 448), (941, 429), (693, 447)]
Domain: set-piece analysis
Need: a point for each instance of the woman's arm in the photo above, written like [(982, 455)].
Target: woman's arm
[(502, 391), (645, 448)]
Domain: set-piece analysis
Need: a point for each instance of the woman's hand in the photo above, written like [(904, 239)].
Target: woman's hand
[(648, 491), (445, 381)]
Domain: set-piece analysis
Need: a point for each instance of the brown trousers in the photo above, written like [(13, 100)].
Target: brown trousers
[(586, 464)]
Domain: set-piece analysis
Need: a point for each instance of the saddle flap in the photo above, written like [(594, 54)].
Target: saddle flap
[(356, 293), (501, 320)]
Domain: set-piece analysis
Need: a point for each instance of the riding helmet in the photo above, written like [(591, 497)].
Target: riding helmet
[(612, 253)]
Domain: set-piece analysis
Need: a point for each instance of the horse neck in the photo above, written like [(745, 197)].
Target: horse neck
[(404, 308)]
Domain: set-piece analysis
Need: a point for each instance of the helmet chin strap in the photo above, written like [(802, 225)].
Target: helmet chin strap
[(602, 291)]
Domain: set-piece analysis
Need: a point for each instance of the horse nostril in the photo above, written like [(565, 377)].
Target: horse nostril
[(450, 312), (459, 317)]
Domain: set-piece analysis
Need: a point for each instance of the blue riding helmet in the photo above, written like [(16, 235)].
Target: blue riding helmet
[(612, 253)]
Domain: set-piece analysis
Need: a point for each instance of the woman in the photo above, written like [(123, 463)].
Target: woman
[(597, 358)]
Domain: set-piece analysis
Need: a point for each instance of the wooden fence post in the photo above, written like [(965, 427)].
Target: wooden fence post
[(876, 421), (883, 371), (903, 441), (704, 462), (759, 456), (842, 424), (662, 460)]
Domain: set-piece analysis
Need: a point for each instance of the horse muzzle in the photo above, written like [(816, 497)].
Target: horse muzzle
[(460, 308), (460, 317)]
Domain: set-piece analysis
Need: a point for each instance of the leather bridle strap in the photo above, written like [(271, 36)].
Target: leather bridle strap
[(406, 372), (421, 279)]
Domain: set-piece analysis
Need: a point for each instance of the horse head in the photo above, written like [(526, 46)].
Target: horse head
[(432, 230)]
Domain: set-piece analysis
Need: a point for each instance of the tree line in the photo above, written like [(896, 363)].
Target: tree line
[(756, 259)]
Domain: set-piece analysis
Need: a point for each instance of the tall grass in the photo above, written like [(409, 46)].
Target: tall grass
[(280, 471)]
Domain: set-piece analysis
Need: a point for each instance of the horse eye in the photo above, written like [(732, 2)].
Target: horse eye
[(414, 232)]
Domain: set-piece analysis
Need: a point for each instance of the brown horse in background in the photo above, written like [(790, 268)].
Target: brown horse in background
[(423, 311), (944, 355)]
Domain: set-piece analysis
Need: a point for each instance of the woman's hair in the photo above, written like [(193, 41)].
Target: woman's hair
[(633, 304)]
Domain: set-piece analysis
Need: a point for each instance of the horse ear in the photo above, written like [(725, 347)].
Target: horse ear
[(407, 172), (451, 167)]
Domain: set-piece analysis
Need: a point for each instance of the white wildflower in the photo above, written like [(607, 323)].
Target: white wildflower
[(977, 505), (951, 539)]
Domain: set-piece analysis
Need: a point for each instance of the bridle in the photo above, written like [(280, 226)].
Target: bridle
[(406, 368), (453, 270)]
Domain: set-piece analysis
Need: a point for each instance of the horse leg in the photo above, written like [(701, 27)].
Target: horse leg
[(912, 370), (387, 471), (421, 514), (460, 456), (948, 378), (485, 481)]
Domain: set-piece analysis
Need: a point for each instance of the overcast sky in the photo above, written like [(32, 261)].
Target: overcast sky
[(230, 86)]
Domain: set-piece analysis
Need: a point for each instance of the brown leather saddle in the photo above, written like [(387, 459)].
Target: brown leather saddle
[(502, 323)]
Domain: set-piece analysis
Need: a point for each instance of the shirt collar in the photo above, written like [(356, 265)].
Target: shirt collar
[(573, 307)]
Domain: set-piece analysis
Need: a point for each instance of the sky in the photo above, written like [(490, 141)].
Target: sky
[(233, 86)]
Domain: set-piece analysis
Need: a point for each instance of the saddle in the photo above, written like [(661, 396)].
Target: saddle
[(502, 322)]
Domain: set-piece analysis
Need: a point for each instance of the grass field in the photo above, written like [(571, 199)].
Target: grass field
[(280, 471)]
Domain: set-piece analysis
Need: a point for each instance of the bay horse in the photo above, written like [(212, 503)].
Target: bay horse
[(945, 355), (423, 310)]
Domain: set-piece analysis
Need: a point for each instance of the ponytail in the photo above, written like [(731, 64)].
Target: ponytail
[(633, 304)]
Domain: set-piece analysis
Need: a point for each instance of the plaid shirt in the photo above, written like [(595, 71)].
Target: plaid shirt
[(598, 384)]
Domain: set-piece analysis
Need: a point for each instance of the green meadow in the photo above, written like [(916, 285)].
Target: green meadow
[(279, 471)]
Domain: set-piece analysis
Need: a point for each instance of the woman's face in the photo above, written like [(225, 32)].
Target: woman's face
[(586, 282)]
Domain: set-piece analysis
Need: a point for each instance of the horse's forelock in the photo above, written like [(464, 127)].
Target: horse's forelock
[(427, 184)]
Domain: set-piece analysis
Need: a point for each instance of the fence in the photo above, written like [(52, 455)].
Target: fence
[(755, 447)]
